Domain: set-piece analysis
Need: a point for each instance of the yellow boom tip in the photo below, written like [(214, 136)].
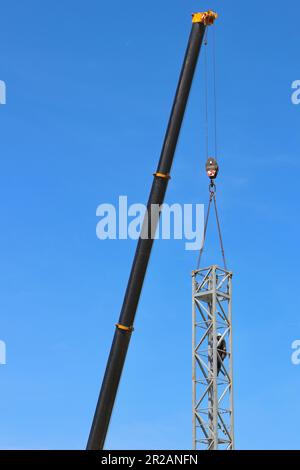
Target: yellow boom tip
[(207, 18)]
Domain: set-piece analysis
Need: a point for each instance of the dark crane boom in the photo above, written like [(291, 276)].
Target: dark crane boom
[(124, 328)]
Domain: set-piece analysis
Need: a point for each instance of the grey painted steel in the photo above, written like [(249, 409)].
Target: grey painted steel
[(212, 393)]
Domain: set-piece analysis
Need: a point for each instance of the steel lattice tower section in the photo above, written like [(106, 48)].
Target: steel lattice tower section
[(213, 425)]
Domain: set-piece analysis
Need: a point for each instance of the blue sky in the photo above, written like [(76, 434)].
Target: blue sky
[(89, 91)]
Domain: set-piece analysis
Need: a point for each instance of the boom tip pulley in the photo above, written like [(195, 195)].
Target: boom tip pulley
[(207, 18)]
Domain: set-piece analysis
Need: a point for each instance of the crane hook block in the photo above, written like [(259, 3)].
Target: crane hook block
[(208, 17), (212, 168)]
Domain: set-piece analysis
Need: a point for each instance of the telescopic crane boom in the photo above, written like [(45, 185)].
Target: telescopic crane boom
[(124, 327)]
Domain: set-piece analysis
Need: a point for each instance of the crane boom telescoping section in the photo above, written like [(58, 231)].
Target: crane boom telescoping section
[(124, 327)]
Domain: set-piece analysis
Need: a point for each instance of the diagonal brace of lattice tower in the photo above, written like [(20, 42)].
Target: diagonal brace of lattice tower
[(213, 417)]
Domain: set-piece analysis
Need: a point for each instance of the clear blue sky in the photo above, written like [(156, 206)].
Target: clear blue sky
[(89, 90)]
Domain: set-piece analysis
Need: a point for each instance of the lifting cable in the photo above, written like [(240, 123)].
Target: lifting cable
[(212, 199), (206, 124), (215, 94), (206, 95), (212, 167)]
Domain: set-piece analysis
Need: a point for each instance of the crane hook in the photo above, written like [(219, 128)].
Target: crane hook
[(212, 168)]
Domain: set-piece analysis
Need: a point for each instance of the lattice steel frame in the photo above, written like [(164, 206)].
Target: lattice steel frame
[(213, 418)]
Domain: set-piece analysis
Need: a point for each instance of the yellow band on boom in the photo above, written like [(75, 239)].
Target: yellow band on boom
[(208, 17), (162, 175), (128, 329)]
